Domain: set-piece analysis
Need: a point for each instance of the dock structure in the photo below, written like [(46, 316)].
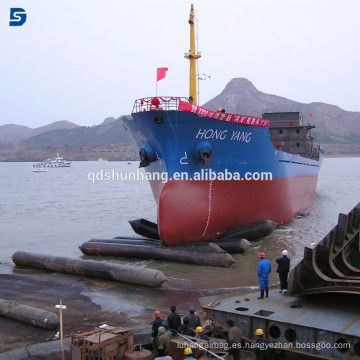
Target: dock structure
[(333, 265), (319, 316), (306, 326)]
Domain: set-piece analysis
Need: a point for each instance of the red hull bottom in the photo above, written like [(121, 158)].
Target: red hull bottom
[(204, 210)]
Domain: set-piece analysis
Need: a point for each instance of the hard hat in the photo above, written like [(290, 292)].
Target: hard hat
[(199, 329), (191, 308), (262, 255), (285, 253), (161, 330), (187, 351), (259, 332), (157, 313)]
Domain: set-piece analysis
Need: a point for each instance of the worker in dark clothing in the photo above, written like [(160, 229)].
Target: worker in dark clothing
[(283, 270), (155, 326), (262, 346), (200, 333), (263, 271), (174, 320), (185, 329), (234, 340), (194, 320)]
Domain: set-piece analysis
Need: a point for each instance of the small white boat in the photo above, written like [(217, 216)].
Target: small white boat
[(40, 170), (56, 161)]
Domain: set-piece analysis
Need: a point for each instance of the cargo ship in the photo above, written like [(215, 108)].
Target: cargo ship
[(222, 170)]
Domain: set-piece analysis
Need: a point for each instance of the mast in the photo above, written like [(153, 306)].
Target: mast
[(192, 56)]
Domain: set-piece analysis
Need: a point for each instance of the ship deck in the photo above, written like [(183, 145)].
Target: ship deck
[(330, 320)]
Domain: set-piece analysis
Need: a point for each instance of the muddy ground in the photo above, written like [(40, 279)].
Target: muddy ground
[(90, 303)]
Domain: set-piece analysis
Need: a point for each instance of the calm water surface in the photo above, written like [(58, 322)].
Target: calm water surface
[(55, 212)]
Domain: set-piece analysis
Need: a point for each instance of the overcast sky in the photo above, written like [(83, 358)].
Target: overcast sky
[(85, 60)]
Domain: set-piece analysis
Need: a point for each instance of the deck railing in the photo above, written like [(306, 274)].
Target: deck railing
[(166, 103)]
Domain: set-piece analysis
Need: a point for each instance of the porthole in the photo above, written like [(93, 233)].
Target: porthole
[(342, 345), (357, 349), (158, 120), (290, 335), (274, 332)]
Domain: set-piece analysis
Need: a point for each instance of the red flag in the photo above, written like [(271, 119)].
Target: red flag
[(161, 73)]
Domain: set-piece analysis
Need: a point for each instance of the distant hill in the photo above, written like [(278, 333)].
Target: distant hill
[(109, 141), (57, 125), (108, 121), (337, 130), (12, 133), (105, 133)]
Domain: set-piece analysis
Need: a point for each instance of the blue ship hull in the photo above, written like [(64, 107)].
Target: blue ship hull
[(242, 179)]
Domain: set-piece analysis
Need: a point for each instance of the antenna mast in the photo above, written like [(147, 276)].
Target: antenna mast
[(192, 56)]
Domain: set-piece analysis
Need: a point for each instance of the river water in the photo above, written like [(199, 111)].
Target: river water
[(55, 212)]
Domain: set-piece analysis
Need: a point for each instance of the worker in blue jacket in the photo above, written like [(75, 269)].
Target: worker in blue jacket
[(263, 271)]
